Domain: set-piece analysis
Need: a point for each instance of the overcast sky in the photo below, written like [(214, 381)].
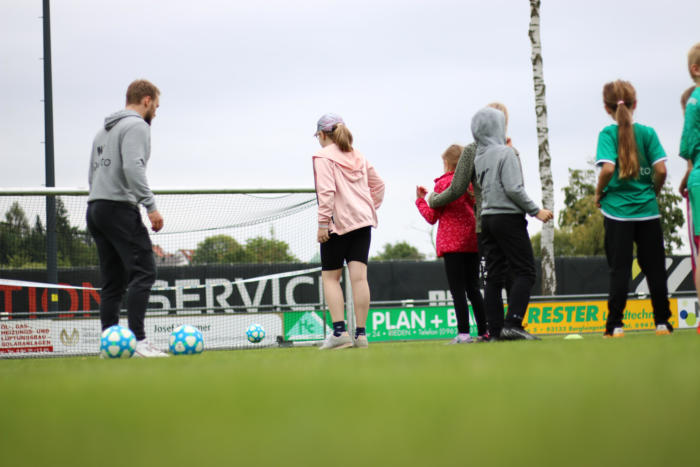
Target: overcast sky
[(243, 84)]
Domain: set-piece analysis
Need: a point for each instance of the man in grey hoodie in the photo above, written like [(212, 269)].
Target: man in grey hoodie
[(118, 184), (505, 239)]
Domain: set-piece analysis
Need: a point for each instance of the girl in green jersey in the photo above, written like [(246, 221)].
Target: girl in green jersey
[(632, 172)]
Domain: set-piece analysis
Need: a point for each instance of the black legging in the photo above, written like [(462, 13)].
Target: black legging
[(463, 278), (619, 239)]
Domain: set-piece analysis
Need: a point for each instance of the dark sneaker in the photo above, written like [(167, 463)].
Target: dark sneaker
[(485, 338), (517, 334)]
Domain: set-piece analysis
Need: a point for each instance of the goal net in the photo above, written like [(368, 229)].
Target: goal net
[(225, 259)]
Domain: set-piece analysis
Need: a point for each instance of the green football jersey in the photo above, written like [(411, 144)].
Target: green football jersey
[(632, 198), (690, 139)]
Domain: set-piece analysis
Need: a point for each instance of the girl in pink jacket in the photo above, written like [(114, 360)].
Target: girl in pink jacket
[(348, 191), (457, 245)]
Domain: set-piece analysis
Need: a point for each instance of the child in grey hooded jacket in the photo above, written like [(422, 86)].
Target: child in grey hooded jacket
[(505, 239)]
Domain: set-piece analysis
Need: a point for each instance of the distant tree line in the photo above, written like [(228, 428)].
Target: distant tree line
[(24, 246), (224, 249)]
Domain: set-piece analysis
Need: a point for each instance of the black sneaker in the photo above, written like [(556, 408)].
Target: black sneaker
[(516, 334), (486, 337)]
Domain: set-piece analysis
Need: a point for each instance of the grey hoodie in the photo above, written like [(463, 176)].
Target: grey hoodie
[(498, 169), (120, 153)]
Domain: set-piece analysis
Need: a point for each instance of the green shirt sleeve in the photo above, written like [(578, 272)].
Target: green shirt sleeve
[(607, 146), (464, 172), (654, 150), (690, 139)]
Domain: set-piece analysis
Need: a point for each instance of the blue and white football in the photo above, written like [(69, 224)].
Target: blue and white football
[(255, 333), (186, 340), (117, 342)]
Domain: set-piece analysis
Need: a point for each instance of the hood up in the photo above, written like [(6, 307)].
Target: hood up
[(489, 127)]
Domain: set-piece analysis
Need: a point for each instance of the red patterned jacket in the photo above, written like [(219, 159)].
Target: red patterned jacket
[(457, 227)]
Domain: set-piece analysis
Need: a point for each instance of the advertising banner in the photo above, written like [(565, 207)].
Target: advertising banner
[(219, 331), (387, 324), (226, 331), (220, 287), (438, 322), (688, 313), (542, 318), (82, 336), (589, 316)]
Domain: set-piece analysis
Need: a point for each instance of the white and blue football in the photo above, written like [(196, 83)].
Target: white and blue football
[(186, 340), (117, 342), (255, 333)]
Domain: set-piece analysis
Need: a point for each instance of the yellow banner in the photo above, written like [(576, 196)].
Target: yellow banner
[(589, 316)]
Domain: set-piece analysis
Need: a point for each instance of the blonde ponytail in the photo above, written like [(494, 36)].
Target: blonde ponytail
[(342, 137)]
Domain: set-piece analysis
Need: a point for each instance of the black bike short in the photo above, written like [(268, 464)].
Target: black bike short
[(352, 246)]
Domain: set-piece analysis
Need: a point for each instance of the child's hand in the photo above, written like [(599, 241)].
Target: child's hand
[(322, 235), (545, 215), (421, 191), (509, 142)]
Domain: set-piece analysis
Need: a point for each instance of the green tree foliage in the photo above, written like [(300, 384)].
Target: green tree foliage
[(672, 218), (268, 250), (399, 250), (75, 247), (14, 232), (25, 247), (224, 249), (581, 231), (218, 249)]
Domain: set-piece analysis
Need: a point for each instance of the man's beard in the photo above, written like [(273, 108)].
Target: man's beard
[(148, 117)]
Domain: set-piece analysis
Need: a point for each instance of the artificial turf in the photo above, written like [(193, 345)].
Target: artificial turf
[(632, 401)]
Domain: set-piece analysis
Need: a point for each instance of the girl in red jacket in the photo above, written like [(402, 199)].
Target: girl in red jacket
[(349, 191), (456, 243)]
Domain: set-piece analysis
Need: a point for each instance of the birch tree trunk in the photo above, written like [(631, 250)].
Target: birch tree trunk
[(549, 278)]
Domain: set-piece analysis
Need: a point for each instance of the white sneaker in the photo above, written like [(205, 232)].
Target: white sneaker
[(336, 342), (361, 342), (461, 340), (147, 350), (617, 333)]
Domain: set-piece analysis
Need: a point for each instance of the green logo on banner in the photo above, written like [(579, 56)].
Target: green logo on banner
[(439, 322), (390, 324), (304, 325)]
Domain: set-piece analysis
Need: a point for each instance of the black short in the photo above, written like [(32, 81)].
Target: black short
[(352, 246)]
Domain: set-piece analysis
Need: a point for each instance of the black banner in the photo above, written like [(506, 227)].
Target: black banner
[(214, 287)]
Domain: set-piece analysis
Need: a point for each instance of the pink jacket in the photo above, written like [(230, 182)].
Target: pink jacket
[(348, 190), (457, 227)]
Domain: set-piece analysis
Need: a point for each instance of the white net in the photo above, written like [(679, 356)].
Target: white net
[(225, 260)]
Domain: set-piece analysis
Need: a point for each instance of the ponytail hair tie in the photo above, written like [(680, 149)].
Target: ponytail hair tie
[(620, 102)]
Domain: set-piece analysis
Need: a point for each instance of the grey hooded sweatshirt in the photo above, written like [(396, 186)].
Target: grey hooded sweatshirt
[(120, 153), (498, 169)]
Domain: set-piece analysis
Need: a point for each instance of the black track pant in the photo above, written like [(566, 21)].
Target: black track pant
[(463, 278), (619, 239), (126, 261), (508, 252)]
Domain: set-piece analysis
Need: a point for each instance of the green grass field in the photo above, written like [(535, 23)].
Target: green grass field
[(632, 401)]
